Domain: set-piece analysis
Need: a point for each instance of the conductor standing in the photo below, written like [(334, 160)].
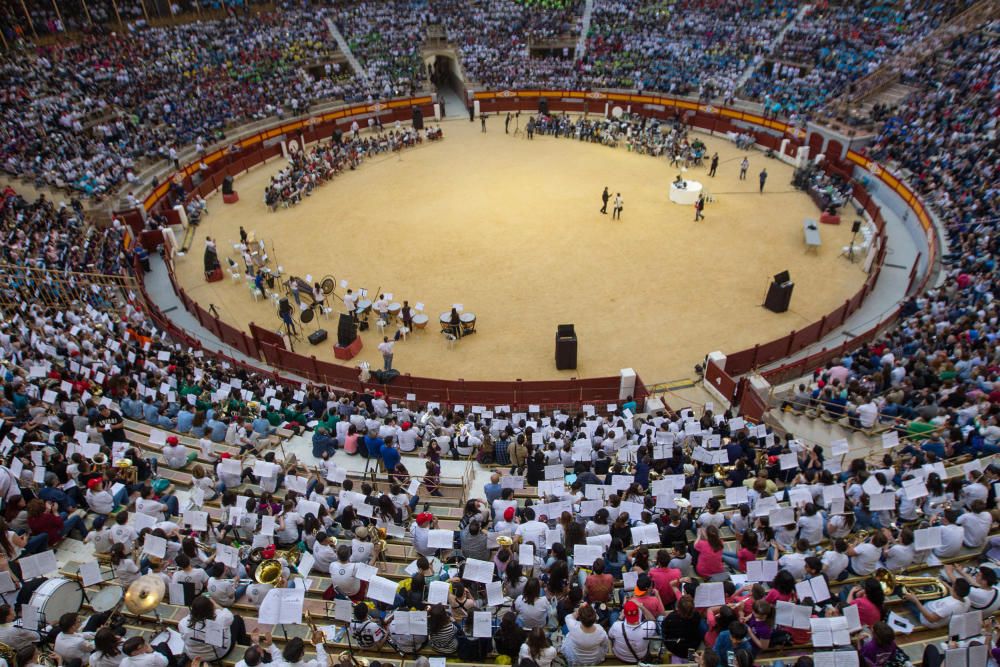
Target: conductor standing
[(506, 124), (605, 196), (715, 165)]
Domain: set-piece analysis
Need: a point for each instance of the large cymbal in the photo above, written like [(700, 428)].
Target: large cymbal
[(145, 594)]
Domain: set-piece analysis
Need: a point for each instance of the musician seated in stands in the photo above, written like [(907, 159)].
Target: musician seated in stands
[(176, 455), (15, 637), (323, 446), (937, 613)]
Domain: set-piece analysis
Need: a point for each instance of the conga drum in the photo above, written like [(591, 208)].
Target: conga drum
[(468, 323)]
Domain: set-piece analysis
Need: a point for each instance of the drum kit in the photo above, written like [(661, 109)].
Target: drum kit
[(62, 595)]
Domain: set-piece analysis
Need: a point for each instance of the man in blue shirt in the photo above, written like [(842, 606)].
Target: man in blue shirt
[(262, 426), (492, 490), (370, 445), (390, 455), (216, 429), (150, 411), (323, 445)]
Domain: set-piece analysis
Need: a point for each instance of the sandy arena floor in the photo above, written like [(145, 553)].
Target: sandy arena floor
[(511, 229)]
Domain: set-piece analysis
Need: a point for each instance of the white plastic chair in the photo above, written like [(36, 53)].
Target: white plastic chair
[(255, 293)]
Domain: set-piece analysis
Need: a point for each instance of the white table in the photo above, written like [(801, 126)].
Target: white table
[(686, 196), (811, 230)]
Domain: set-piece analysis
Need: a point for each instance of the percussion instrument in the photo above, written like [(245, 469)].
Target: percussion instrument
[(420, 321), (328, 284), (468, 322), (56, 597), (364, 306), (304, 288), (394, 309), (145, 594), (107, 598)]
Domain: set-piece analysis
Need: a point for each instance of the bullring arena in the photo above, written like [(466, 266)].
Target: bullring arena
[(511, 229), (285, 290)]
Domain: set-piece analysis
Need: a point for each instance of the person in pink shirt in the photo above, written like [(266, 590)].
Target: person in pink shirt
[(665, 578), (709, 547), (870, 601)]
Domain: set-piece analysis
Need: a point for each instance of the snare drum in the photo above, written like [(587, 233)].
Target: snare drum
[(56, 597), (107, 598), (420, 321)]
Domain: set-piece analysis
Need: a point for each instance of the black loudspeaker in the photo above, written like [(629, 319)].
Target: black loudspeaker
[(418, 119), (284, 308), (338, 137), (227, 185), (779, 296), (543, 106), (856, 227), (565, 347), (782, 277), (317, 337), (346, 331), (385, 377)]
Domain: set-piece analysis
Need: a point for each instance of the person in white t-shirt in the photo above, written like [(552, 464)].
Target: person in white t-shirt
[(865, 556), (984, 594), (835, 560), (630, 636), (937, 613), (976, 524), (952, 535), (343, 573)]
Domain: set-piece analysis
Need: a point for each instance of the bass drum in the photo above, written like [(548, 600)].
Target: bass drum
[(56, 597)]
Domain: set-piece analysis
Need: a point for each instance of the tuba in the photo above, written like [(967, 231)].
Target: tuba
[(8, 654), (925, 588), (268, 572)]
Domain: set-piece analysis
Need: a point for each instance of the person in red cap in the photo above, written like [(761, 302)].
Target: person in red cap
[(99, 501), (424, 523), (508, 524), (631, 634), (176, 455)]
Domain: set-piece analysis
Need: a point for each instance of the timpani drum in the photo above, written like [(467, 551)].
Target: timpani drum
[(468, 322), (420, 321), (446, 321), (364, 306), (56, 597), (394, 309)]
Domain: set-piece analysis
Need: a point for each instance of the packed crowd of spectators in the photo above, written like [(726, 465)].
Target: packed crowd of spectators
[(835, 45), (493, 40), (44, 235), (681, 48), (83, 115), (386, 37)]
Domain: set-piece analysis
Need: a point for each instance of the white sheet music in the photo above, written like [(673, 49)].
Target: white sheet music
[(586, 554), (41, 564), (927, 538), (710, 594), (381, 589), (440, 539), (283, 605), (438, 592), (814, 588), (482, 624), (494, 594), (91, 573), (343, 610), (478, 570)]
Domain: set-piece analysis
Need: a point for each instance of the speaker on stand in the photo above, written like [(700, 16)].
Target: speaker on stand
[(543, 106), (565, 347), (346, 330), (227, 185), (418, 119)]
